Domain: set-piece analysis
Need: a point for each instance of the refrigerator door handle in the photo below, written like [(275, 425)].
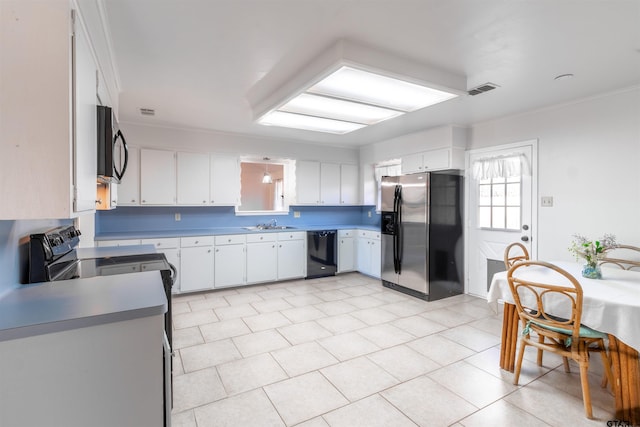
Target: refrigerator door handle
[(399, 229)]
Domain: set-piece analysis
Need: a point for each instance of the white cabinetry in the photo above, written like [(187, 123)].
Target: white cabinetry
[(442, 159), (308, 182), (224, 180), (292, 255), (170, 247), (262, 257), (230, 260), (369, 253), (157, 177), (329, 184), (129, 187), (349, 184), (324, 184), (87, 372), (193, 178), (48, 103), (196, 263), (346, 250)]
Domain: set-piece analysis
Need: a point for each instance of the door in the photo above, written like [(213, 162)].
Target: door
[(501, 209), (412, 245)]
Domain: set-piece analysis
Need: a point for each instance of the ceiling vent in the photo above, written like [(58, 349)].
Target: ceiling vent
[(147, 111), (485, 87)]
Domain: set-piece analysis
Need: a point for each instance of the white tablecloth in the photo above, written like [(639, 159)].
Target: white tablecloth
[(610, 304)]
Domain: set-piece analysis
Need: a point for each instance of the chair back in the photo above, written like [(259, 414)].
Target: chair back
[(624, 256), (514, 253), (536, 291)]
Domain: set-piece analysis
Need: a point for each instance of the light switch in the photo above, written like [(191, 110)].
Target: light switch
[(546, 201), (296, 214), (178, 218)]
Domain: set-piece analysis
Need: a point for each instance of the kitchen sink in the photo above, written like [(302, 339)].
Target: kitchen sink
[(269, 227)]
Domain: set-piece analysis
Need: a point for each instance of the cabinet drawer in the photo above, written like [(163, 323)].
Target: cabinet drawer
[(295, 235), (346, 233), (187, 242), (234, 239), (261, 237), (170, 243), (127, 242), (368, 234)]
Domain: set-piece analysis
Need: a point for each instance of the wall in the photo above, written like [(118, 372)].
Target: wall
[(588, 161), (217, 142), (145, 218), (14, 238)]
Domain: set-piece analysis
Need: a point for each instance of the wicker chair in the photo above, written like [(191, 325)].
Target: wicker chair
[(624, 256), (515, 252), (566, 337)]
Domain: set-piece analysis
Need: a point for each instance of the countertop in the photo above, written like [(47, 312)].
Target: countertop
[(42, 308), (217, 231)]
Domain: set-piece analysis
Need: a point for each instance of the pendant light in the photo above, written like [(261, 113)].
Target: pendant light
[(266, 179)]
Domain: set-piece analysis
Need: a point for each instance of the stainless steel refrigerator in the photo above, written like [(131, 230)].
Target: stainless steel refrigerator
[(422, 242)]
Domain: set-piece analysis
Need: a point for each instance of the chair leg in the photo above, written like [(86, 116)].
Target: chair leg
[(541, 341), (608, 375), (565, 362), (516, 374), (586, 396)]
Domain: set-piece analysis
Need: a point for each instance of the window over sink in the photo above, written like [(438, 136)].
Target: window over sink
[(265, 186)]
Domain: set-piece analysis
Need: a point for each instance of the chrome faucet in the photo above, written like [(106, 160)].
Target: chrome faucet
[(273, 223)]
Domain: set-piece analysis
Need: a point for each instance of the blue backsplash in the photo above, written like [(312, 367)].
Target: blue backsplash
[(147, 218)]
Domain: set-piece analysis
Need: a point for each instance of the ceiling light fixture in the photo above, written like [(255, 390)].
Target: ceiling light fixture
[(360, 87), (266, 178)]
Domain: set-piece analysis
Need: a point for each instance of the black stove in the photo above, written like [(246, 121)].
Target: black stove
[(53, 257)]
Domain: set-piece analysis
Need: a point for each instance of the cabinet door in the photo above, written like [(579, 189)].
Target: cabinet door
[(348, 184), (291, 259), (364, 255), (330, 184), (308, 182), (262, 262), (225, 180), (84, 141), (157, 177), (129, 191), (436, 159), (375, 248), (193, 178), (196, 268), (346, 254), (230, 265), (412, 163)]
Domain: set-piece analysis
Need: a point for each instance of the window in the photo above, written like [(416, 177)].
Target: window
[(257, 195), (499, 203)]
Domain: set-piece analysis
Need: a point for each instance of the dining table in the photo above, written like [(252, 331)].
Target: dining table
[(610, 305)]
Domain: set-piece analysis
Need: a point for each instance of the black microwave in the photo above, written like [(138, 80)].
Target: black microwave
[(113, 154)]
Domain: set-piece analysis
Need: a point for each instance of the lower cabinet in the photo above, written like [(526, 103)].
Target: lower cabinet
[(292, 255), (369, 252), (170, 247), (346, 250), (262, 258), (196, 263), (230, 260)]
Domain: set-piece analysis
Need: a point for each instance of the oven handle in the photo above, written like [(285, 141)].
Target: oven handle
[(174, 274)]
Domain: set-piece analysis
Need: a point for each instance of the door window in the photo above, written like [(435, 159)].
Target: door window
[(500, 203)]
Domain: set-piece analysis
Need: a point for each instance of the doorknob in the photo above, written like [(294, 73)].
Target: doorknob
[(525, 227), (525, 238)]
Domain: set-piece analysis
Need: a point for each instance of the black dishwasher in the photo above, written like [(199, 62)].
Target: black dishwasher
[(321, 253)]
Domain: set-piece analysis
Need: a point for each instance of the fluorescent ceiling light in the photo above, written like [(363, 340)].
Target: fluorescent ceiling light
[(350, 86), (376, 89), (333, 108), (299, 121)]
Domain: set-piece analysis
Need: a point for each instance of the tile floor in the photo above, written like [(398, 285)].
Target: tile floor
[(345, 351)]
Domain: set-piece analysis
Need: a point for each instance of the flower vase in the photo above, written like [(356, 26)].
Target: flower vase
[(591, 271)]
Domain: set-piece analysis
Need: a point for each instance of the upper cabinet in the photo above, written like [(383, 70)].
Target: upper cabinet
[(224, 187), (157, 177), (328, 184), (48, 103), (193, 179), (433, 160), (129, 187)]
